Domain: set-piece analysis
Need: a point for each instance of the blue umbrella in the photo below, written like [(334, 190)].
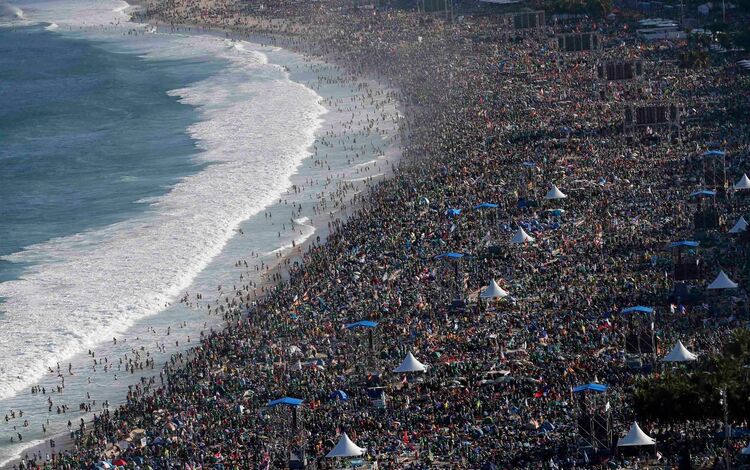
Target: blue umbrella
[(591, 387), (340, 395), (450, 256), (486, 205), (703, 192), (363, 324), (638, 308), (453, 212), (688, 243), (287, 401)]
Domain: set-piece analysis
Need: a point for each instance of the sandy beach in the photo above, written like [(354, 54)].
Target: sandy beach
[(520, 283)]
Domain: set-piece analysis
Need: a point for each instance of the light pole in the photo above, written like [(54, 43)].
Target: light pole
[(727, 428)]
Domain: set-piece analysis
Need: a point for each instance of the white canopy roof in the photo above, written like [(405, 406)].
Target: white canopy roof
[(679, 354), (555, 193), (410, 364), (722, 281), (345, 448), (521, 236), (740, 226), (635, 437), (493, 291), (743, 183)]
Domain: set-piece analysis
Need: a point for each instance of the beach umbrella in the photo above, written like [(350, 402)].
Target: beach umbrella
[(638, 309), (424, 201), (286, 401), (740, 226), (635, 437), (410, 364), (362, 324), (722, 281), (743, 183), (120, 463), (486, 205), (521, 236), (679, 354), (339, 395), (703, 193), (345, 448), (453, 212), (493, 291), (555, 193), (591, 387), (450, 256)]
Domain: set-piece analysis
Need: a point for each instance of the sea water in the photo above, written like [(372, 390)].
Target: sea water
[(136, 169)]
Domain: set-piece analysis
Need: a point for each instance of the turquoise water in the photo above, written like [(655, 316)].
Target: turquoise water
[(84, 135)]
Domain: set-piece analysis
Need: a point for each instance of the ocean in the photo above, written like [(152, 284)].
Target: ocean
[(139, 168)]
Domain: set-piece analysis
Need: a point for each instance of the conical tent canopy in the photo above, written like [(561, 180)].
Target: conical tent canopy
[(722, 281), (410, 364), (635, 437), (743, 183), (521, 236), (679, 354), (740, 226), (345, 448), (493, 291), (555, 193)]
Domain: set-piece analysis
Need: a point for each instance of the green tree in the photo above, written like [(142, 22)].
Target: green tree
[(693, 394)]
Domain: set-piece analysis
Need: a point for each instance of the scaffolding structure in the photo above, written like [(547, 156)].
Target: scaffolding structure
[(437, 7), (593, 418), (685, 261), (638, 324)]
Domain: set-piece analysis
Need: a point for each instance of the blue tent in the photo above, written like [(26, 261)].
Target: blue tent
[(687, 243), (362, 323), (450, 255), (714, 153), (453, 212), (288, 401), (638, 308), (592, 387), (703, 192), (339, 395), (486, 205)]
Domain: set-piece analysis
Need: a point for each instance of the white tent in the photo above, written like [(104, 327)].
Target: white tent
[(722, 281), (410, 364), (743, 183), (635, 437), (679, 354), (740, 226), (521, 236), (345, 448), (493, 291), (555, 193)]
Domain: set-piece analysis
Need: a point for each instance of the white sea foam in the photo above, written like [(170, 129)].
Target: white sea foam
[(10, 11), (19, 450), (307, 230), (52, 27), (364, 178), (256, 127)]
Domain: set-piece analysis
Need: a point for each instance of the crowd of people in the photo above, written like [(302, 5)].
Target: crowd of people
[(492, 116)]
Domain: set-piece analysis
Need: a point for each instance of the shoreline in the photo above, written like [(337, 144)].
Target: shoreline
[(323, 223), (485, 116)]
